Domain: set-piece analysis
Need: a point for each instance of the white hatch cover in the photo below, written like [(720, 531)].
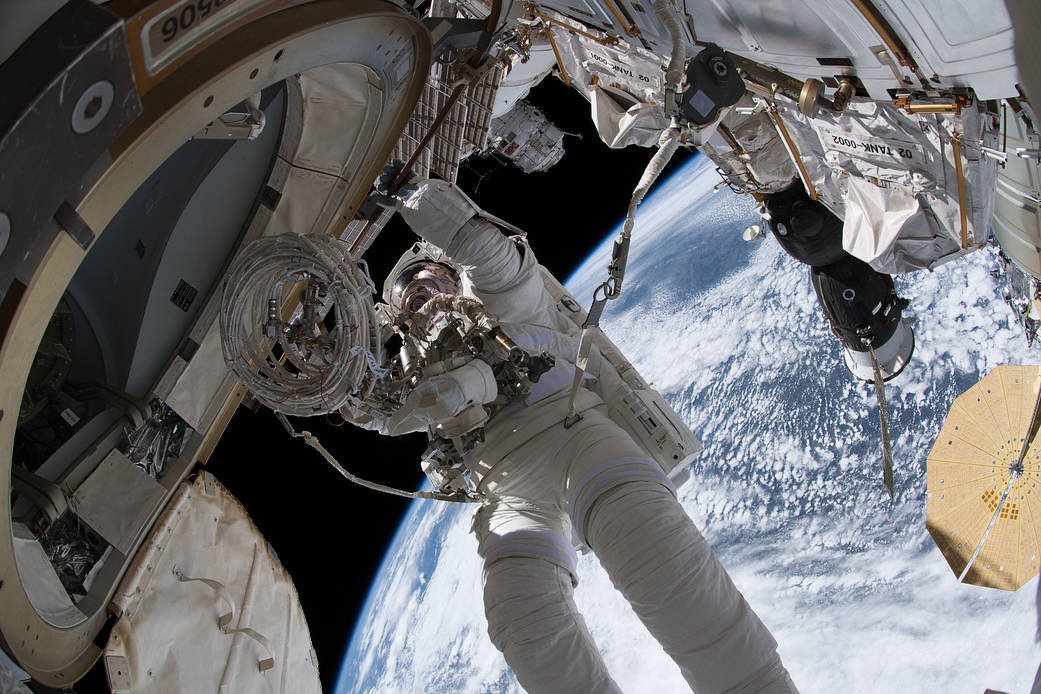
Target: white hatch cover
[(207, 607)]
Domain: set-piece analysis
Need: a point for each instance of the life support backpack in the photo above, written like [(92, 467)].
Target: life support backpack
[(633, 405)]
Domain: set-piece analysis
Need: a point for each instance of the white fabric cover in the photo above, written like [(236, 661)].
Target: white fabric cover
[(119, 518), (197, 388), (205, 564), (341, 104), (341, 109), (874, 217), (640, 124), (911, 157), (546, 484), (42, 585)]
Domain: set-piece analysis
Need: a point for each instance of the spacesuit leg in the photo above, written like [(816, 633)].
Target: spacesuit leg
[(533, 621), (529, 574), (659, 561)]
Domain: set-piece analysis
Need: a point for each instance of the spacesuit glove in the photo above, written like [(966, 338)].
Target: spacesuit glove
[(382, 194)]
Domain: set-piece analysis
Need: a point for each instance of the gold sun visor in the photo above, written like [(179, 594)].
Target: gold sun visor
[(983, 504)]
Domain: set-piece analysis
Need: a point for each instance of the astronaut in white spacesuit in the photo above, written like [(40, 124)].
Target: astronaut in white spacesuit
[(545, 484)]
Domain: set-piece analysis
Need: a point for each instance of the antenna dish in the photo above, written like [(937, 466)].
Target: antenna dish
[(753, 233)]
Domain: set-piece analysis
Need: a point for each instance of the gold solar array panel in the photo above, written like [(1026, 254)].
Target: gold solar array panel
[(969, 470)]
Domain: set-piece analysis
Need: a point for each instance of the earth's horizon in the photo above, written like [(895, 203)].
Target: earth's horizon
[(787, 491)]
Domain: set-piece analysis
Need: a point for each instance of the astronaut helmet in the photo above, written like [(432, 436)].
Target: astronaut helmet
[(421, 273)]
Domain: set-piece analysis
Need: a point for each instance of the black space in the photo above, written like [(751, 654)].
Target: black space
[(331, 535)]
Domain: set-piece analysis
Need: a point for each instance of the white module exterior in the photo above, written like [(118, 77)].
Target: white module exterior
[(523, 75), (527, 137), (1017, 207), (205, 565), (963, 43)]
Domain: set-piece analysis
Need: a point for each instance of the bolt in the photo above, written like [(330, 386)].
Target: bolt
[(92, 107), (782, 230), (719, 66)]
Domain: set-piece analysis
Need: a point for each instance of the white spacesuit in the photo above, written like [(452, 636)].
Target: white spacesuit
[(546, 484)]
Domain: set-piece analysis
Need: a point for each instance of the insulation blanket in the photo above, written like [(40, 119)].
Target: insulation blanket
[(624, 84), (892, 177)]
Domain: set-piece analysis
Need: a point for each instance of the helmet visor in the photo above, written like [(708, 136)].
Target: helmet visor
[(418, 283)]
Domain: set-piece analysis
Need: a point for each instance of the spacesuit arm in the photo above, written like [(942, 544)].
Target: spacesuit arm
[(451, 400), (437, 210), (503, 271)]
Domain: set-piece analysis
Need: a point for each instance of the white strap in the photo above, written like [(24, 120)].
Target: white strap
[(580, 370), (225, 619), (265, 643), (222, 593)]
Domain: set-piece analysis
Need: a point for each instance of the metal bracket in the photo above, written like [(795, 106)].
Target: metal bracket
[(69, 219), (69, 91), (454, 35), (953, 105)]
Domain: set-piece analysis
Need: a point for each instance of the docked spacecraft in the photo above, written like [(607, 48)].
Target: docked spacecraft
[(144, 144)]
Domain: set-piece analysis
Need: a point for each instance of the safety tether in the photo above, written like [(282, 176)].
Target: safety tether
[(312, 441), (668, 142), (611, 288)]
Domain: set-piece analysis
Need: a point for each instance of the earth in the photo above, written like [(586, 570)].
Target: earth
[(788, 489)]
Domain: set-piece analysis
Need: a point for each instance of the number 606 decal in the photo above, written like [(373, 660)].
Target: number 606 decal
[(170, 33), (190, 15)]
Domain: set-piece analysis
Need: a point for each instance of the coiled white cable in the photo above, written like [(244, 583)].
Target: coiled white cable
[(316, 371)]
